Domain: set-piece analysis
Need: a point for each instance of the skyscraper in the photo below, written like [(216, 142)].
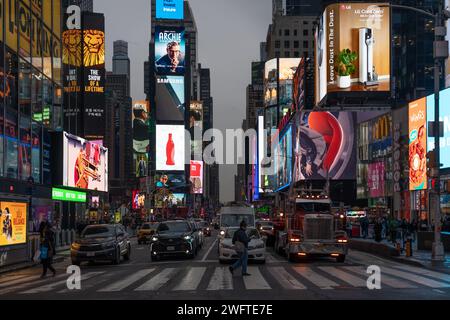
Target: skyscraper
[(121, 61)]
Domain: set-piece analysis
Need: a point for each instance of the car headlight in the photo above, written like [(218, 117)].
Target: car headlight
[(75, 246), (222, 233), (188, 238), (207, 229), (154, 238)]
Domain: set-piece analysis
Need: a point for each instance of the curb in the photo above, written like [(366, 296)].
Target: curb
[(28, 265)]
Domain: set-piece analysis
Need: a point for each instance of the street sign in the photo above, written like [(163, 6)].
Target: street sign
[(68, 195)]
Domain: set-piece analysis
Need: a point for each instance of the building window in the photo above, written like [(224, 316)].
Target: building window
[(277, 54), (287, 54), (305, 23), (296, 44), (277, 44), (280, 32), (295, 32), (287, 32), (297, 54), (287, 44), (305, 33), (24, 142), (305, 44), (11, 132)]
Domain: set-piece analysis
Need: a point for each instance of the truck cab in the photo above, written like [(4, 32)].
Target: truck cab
[(311, 231)]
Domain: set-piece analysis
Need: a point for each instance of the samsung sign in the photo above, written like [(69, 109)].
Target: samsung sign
[(170, 9)]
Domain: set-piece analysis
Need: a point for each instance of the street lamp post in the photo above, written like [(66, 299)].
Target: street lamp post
[(440, 53)]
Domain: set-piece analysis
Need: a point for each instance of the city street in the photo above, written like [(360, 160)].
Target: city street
[(204, 278)]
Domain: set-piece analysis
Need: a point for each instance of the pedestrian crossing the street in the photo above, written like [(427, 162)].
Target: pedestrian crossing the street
[(218, 278)]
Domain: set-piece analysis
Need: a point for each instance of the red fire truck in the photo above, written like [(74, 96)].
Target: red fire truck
[(311, 230)]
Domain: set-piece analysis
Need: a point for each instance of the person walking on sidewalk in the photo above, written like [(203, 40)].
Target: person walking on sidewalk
[(240, 241), (47, 248)]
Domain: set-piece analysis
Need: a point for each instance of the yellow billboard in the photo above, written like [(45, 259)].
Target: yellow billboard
[(13, 223)]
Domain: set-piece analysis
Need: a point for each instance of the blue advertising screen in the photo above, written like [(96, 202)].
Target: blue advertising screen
[(444, 115), (169, 9)]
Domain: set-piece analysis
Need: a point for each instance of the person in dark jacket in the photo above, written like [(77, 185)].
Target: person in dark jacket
[(47, 238), (377, 230), (241, 240)]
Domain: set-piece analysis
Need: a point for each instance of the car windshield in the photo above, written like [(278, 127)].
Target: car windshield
[(313, 207), (234, 220), (166, 227), (98, 232), (266, 224), (148, 226), (205, 224), (251, 233)]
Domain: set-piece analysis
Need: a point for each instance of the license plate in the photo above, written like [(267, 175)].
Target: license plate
[(91, 254), (170, 248)]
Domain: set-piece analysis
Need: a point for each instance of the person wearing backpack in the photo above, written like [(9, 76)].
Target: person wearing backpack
[(47, 248)]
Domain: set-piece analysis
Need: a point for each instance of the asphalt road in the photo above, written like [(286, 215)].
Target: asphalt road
[(204, 278)]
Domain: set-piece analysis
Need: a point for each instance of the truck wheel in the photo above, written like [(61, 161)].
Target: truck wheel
[(340, 259)]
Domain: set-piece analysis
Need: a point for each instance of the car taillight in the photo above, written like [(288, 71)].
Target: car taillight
[(342, 240), (294, 240)]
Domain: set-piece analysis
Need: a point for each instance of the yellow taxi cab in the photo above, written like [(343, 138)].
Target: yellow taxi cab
[(146, 231)]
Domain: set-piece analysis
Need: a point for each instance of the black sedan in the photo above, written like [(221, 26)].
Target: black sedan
[(173, 238), (101, 243)]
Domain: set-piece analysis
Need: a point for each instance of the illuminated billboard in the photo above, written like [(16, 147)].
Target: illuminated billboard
[(170, 9), (141, 164), (170, 181), (196, 127), (299, 86), (85, 164), (325, 146), (196, 177), (352, 49), (170, 148), (283, 159), (94, 75), (13, 223), (418, 145), (169, 98), (287, 67), (141, 127), (170, 50), (138, 200), (270, 82), (376, 172)]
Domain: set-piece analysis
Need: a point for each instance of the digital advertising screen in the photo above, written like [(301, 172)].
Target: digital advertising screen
[(94, 75), (287, 69), (13, 223), (141, 164), (170, 100), (171, 200), (170, 9), (418, 145), (196, 177), (270, 83), (352, 49), (299, 86), (138, 200), (85, 164), (170, 50), (283, 159), (141, 126), (170, 148), (170, 180), (325, 146), (376, 179), (196, 127)]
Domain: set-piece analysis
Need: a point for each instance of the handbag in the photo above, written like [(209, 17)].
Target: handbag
[(37, 255), (44, 253), (239, 247)]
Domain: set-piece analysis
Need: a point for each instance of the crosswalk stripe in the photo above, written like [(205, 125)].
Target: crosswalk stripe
[(415, 278), (385, 279), (221, 280), (344, 276), (26, 283), (124, 283), (286, 280), (17, 280), (191, 280), (53, 285), (318, 280), (425, 272), (158, 280), (255, 281)]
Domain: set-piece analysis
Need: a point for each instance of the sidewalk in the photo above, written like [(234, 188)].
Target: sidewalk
[(61, 254), (386, 249)]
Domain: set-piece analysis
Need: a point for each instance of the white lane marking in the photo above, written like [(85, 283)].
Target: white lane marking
[(256, 280), (157, 281), (221, 280), (191, 280), (425, 272), (209, 250), (317, 279), (286, 280), (124, 283), (51, 286), (17, 279), (415, 278), (270, 258), (385, 279), (24, 284), (344, 276)]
